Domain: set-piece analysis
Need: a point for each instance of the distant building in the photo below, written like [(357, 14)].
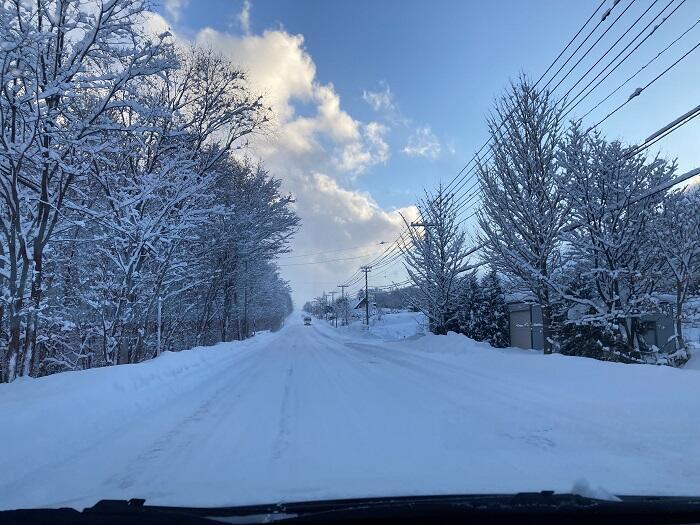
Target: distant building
[(360, 304)]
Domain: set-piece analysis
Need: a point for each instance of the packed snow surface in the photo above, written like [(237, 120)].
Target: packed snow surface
[(314, 412)]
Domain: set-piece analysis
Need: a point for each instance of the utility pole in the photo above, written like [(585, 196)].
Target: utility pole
[(335, 314), (366, 269), (345, 307)]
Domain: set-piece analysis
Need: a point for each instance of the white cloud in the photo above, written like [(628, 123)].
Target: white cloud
[(276, 61), (280, 67), (317, 153), (357, 156), (375, 132), (153, 23), (423, 143), (174, 8), (382, 100), (335, 217), (336, 122), (244, 17)]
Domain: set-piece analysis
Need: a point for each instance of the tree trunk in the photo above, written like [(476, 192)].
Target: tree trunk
[(13, 347), (33, 317), (226, 313), (245, 304), (546, 312), (679, 314), (547, 329)]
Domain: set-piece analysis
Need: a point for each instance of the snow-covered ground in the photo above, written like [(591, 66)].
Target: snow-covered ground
[(390, 326), (313, 412)]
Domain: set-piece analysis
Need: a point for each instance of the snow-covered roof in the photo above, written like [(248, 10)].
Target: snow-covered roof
[(664, 297), (358, 303), (520, 297)]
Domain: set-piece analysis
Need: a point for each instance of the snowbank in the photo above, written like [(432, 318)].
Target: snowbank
[(392, 326), (57, 408)]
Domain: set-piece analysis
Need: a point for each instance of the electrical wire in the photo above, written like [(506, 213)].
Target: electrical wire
[(639, 91)]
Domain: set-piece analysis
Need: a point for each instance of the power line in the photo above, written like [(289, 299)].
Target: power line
[(594, 44), (636, 93), (570, 105), (389, 262), (471, 196), (623, 84), (324, 252), (572, 41), (354, 279), (639, 91), (467, 196), (605, 16), (358, 275), (665, 131), (392, 285), (389, 251), (324, 261), (447, 188)]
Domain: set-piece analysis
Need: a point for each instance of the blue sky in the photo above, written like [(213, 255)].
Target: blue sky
[(417, 79)]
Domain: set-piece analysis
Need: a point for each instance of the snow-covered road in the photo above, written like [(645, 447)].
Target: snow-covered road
[(313, 412)]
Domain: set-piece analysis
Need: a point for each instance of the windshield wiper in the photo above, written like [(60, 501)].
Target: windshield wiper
[(542, 507)]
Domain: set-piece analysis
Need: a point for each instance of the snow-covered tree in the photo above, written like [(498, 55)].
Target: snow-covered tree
[(611, 232), (434, 255), (120, 198), (258, 227), (523, 202), (576, 336), (676, 233), (343, 310), (468, 304), (491, 315), (63, 68), (482, 311)]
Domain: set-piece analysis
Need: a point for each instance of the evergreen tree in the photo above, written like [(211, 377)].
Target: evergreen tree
[(576, 336), (467, 304), (493, 318)]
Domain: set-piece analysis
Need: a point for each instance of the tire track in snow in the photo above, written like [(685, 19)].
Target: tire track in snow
[(540, 417), (110, 433), (186, 436), (537, 406), (540, 414), (283, 435)]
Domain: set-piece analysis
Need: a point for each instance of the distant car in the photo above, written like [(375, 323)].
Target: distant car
[(307, 321)]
